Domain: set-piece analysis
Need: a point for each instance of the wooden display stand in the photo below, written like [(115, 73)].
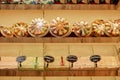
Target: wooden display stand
[(47, 12)]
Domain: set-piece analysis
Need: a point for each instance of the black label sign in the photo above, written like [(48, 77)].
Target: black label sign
[(48, 59), (72, 58), (95, 58), (21, 58)]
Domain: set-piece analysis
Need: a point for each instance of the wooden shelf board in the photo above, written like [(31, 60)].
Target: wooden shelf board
[(61, 40), (58, 7), (80, 72)]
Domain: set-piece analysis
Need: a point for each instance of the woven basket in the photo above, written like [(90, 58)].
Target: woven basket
[(38, 28), (60, 36), (60, 28), (38, 35), (20, 29), (7, 32), (82, 29), (98, 28), (113, 28)]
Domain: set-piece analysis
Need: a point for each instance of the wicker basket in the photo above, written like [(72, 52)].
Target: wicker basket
[(20, 29), (38, 28), (98, 28), (82, 29), (59, 27), (7, 32), (112, 28)]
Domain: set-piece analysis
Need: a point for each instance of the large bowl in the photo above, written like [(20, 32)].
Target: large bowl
[(20, 29), (59, 27), (38, 28), (82, 29)]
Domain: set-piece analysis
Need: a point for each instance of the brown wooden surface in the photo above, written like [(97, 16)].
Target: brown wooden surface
[(118, 6), (61, 40), (58, 7), (77, 72)]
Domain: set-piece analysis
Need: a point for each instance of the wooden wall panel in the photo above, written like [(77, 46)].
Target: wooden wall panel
[(9, 78), (86, 15), (31, 78), (10, 17), (79, 78), (33, 49), (80, 50), (103, 78), (56, 78), (10, 49), (117, 78), (104, 50)]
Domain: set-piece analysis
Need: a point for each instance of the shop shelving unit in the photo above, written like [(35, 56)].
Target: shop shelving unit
[(46, 11)]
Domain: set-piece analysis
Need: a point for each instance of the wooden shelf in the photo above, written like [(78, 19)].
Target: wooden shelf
[(58, 7), (118, 6), (61, 40), (80, 72)]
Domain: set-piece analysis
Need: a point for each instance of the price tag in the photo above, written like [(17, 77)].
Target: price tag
[(95, 58), (21, 58), (72, 58), (49, 59)]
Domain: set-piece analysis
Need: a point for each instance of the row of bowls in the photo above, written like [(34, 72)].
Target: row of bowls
[(60, 27)]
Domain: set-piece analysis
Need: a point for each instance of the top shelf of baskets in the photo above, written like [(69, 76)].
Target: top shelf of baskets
[(59, 30), (71, 35)]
